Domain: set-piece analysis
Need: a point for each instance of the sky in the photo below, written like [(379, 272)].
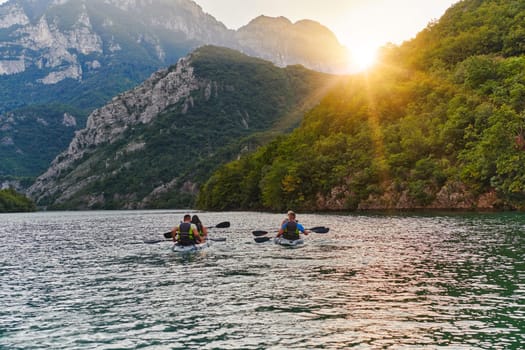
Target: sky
[(360, 25), (379, 21)]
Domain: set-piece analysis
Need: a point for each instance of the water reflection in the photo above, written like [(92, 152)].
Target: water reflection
[(85, 281)]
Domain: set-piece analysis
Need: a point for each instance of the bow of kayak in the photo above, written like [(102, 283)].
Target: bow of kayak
[(296, 243)]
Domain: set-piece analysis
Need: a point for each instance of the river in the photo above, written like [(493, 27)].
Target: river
[(87, 280)]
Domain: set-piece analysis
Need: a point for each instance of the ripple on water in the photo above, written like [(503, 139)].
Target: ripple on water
[(86, 281)]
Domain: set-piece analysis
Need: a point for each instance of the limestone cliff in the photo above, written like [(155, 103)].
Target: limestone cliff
[(72, 56), (106, 125), (153, 145)]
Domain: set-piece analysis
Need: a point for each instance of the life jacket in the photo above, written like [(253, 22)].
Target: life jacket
[(291, 231), (185, 234)]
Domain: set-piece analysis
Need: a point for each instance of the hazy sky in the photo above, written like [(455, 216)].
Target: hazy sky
[(355, 22)]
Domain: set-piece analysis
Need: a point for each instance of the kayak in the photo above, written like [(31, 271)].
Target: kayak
[(177, 248), (296, 243)]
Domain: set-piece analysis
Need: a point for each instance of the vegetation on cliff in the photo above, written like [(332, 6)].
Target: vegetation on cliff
[(11, 202), (440, 123)]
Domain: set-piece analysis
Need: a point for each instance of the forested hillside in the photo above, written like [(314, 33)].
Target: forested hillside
[(153, 146), (12, 202), (439, 123)]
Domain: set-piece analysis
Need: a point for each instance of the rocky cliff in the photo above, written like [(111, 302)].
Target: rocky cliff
[(151, 146), (60, 40), (107, 125), (69, 37), (72, 56)]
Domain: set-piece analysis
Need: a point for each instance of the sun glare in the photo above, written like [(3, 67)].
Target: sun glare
[(362, 58)]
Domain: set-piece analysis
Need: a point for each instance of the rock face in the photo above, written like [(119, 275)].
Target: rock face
[(106, 125), (58, 38), (451, 196), (72, 56), (13, 14), (158, 141)]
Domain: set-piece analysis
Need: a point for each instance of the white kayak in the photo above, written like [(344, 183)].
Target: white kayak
[(177, 248), (296, 243)]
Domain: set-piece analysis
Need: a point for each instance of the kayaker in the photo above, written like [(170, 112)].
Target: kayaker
[(203, 230), (290, 228), (186, 233), (287, 218)]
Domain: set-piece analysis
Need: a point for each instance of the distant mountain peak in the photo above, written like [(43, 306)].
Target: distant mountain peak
[(264, 20), (279, 40)]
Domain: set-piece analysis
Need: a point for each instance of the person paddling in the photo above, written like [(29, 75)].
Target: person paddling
[(203, 230), (186, 233), (290, 229), (286, 219)]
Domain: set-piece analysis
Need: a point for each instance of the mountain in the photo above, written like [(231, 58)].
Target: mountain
[(306, 42), (438, 124), (153, 146), (61, 59), (46, 44)]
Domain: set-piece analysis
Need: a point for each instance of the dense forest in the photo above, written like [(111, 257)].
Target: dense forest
[(11, 202), (438, 123)]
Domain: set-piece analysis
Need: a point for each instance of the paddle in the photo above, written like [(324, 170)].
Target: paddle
[(320, 229), (317, 229), (258, 233), (262, 239), (153, 241), (224, 224)]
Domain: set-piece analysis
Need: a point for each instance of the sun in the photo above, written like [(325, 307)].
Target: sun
[(362, 57), (362, 54)]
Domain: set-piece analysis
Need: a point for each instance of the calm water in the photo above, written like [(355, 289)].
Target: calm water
[(86, 280)]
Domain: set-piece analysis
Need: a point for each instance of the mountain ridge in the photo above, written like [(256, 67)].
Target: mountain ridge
[(73, 56), (127, 155)]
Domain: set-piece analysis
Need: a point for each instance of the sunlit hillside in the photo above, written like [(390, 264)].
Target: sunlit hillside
[(439, 123)]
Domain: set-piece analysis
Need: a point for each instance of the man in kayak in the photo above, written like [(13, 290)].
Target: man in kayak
[(186, 233), (286, 219), (290, 229)]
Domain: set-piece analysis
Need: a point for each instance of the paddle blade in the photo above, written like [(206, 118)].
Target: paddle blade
[(262, 239), (259, 233), (320, 229), (168, 235), (224, 224), (153, 241)]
